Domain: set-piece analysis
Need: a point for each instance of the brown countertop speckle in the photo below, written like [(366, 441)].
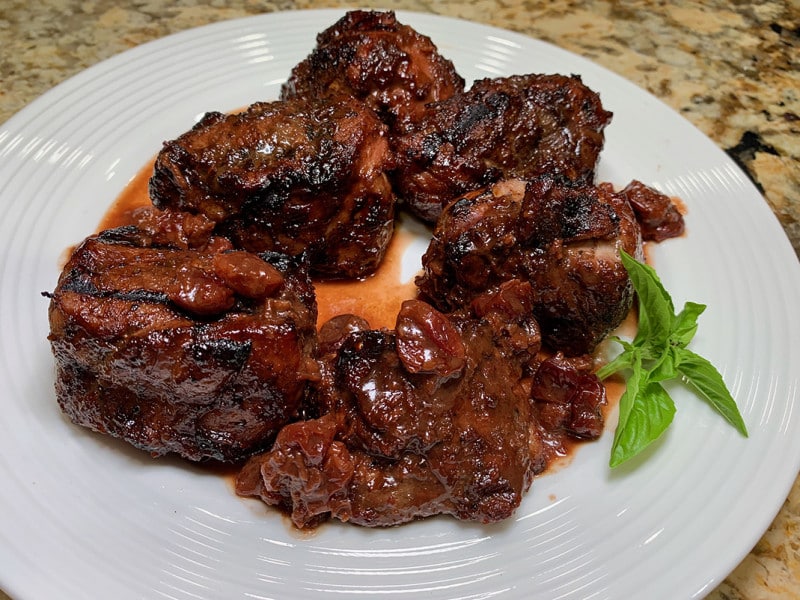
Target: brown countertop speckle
[(732, 69)]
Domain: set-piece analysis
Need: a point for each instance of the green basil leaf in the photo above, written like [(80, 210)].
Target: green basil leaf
[(666, 366), (685, 325), (656, 311), (631, 391), (658, 353), (651, 414), (700, 374), (623, 361), (637, 378)]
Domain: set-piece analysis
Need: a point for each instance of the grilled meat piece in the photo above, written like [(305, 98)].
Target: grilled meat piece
[(369, 56), (562, 237), (203, 352), (287, 177), (434, 417), (514, 127)]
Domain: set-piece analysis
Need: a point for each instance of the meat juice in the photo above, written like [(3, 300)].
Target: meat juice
[(135, 195), (377, 297)]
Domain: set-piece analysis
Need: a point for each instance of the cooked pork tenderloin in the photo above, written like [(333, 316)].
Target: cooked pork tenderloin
[(513, 127), (564, 238), (370, 56), (204, 351), (287, 177)]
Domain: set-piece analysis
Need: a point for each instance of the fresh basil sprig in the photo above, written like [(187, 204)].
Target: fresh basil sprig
[(658, 353)]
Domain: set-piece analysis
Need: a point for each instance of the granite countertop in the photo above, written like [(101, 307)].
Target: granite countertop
[(731, 68)]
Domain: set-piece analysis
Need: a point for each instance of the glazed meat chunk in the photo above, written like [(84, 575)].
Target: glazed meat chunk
[(287, 177), (203, 352), (568, 398), (427, 419), (562, 237), (657, 214), (515, 127), (434, 417), (369, 56)]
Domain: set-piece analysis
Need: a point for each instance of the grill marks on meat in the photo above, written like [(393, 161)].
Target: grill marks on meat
[(515, 127), (433, 417), (562, 237), (201, 352), (388, 66), (287, 177)]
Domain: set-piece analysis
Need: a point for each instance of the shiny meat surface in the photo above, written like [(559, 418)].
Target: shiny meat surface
[(563, 238), (514, 127), (372, 57), (203, 352), (568, 397), (658, 216), (176, 229), (435, 417), (287, 177)]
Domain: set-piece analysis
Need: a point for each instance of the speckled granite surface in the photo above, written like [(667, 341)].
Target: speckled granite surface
[(731, 68)]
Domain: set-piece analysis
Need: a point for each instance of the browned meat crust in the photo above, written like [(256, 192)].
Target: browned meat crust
[(204, 352), (514, 127), (369, 56), (564, 238), (287, 177), (434, 417)]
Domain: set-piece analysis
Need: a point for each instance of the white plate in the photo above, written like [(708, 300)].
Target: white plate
[(84, 516)]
